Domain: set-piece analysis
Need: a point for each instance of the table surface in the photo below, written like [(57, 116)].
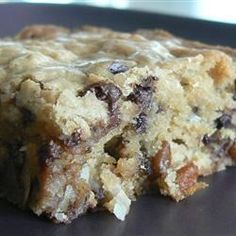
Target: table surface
[(200, 9), (209, 212)]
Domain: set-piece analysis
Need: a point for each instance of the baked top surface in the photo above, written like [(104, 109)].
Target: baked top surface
[(46, 68)]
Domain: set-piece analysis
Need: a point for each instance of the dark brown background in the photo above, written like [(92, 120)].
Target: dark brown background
[(208, 212)]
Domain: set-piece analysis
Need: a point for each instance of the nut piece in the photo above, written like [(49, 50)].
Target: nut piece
[(41, 32), (161, 161), (187, 179), (232, 151)]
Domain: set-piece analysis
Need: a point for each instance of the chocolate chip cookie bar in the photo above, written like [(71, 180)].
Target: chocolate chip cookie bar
[(92, 118)]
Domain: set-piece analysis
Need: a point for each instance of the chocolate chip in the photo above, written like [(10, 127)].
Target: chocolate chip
[(224, 146), (108, 93), (206, 139), (195, 109), (72, 140), (214, 138), (117, 67), (142, 94), (145, 165), (223, 121), (218, 145), (159, 109), (141, 122), (144, 160), (99, 193), (49, 152), (115, 147), (179, 141)]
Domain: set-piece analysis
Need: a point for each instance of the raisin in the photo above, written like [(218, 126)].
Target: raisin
[(223, 121), (187, 178), (49, 152), (140, 123), (142, 94), (117, 67), (72, 140), (108, 93)]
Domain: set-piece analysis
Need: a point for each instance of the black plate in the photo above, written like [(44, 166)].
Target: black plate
[(208, 212)]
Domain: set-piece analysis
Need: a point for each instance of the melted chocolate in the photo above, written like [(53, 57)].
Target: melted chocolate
[(49, 152), (218, 145), (117, 67), (223, 121), (106, 92), (73, 140), (142, 94), (141, 122)]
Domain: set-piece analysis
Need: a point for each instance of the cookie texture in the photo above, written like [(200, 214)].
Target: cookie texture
[(93, 118)]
